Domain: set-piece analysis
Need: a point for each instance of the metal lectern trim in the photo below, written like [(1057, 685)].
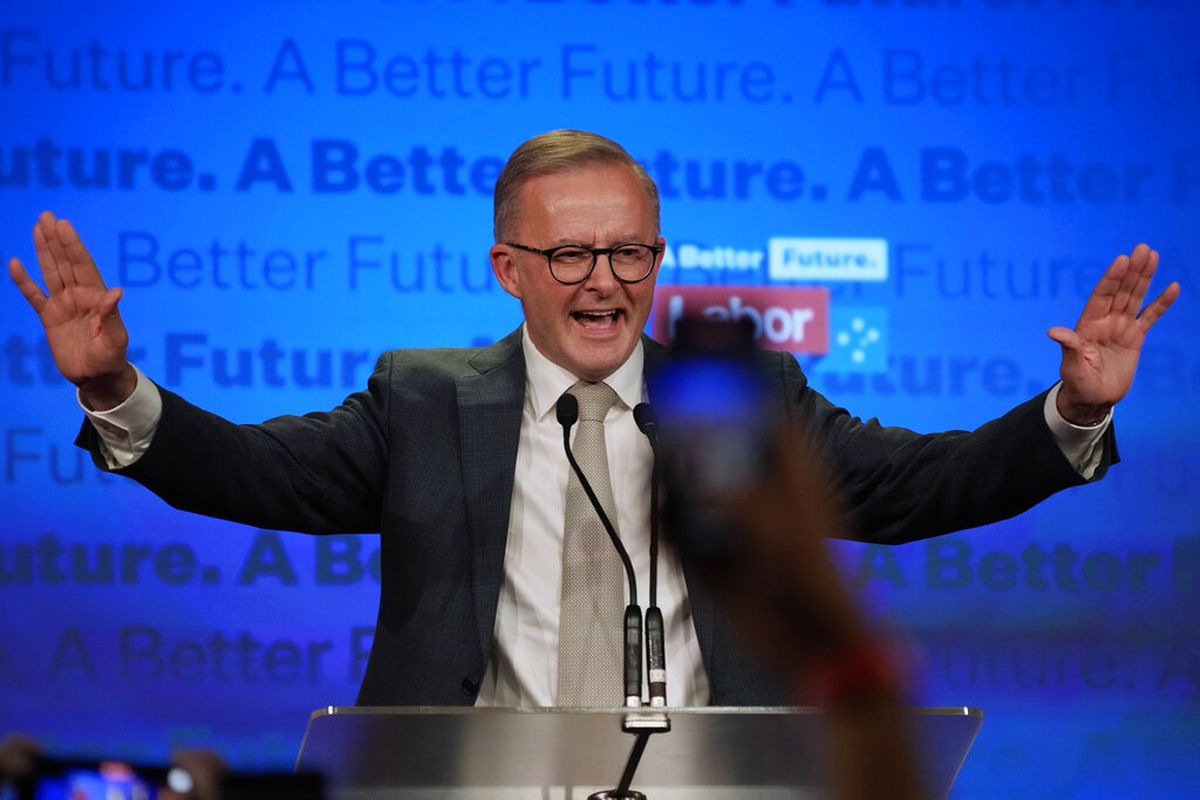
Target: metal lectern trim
[(375, 749)]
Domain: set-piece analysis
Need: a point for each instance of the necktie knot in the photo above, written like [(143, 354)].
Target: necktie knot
[(595, 399)]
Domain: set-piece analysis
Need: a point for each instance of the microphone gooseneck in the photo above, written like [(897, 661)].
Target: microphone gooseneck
[(656, 656), (567, 412), (647, 422)]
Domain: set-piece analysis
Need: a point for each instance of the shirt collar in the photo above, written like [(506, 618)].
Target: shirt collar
[(546, 381)]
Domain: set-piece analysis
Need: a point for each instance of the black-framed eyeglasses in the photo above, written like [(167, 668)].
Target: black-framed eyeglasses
[(573, 263)]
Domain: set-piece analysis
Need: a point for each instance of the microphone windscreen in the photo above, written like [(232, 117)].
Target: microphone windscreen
[(646, 419), (567, 409)]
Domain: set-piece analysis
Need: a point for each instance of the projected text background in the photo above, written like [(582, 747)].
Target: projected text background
[(285, 192)]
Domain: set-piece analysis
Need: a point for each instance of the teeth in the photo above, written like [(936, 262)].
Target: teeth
[(597, 319)]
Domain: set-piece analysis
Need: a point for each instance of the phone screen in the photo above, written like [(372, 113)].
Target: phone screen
[(715, 424), (93, 780)]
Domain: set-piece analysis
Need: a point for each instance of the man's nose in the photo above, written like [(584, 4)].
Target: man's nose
[(602, 279)]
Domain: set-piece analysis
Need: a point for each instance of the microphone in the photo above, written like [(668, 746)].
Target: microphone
[(656, 648), (567, 412), (647, 422)]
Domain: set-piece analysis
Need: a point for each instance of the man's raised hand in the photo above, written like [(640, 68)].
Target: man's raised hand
[(1099, 357), (79, 313)]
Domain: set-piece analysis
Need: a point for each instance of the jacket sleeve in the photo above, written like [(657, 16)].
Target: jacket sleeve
[(898, 486), (318, 473)]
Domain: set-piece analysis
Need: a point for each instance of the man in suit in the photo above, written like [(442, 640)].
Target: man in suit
[(455, 455)]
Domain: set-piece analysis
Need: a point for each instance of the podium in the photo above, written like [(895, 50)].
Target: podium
[(433, 753)]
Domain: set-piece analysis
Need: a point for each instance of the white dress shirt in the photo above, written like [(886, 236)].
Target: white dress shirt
[(523, 665)]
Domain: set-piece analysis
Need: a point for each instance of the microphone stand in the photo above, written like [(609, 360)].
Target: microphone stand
[(640, 724)]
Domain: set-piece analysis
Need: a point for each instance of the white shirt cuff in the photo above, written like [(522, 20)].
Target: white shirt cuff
[(1082, 445), (127, 430)]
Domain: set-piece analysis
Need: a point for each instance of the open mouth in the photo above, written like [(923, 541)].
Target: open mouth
[(597, 320)]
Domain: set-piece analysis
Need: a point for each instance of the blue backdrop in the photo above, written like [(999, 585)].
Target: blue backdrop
[(286, 190)]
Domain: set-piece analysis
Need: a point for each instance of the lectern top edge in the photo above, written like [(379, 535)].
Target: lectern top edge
[(379, 751), (331, 711)]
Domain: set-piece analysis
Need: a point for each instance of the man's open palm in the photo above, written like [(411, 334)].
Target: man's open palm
[(79, 313), (1100, 355)]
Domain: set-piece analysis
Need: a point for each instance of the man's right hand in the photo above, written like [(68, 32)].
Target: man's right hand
[(84, 330)]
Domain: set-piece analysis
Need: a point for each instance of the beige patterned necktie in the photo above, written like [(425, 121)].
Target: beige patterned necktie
[(590, 665)]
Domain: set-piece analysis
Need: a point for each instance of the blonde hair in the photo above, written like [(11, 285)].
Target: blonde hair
[(558, 151)]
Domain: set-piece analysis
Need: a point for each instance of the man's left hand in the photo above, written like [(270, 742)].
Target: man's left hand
[(1100, 356)]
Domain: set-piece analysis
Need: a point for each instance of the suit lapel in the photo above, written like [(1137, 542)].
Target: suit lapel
[(489, 418)]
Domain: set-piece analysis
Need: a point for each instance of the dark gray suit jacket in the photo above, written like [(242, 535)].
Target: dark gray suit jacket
[(426, 457)]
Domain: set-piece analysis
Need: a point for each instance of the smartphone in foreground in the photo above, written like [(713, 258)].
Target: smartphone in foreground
[(79, 779), (715, 421)]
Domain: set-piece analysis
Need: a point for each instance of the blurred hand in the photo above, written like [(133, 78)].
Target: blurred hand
[(784, 589), (17, 753), (206, 769), (786, 593)]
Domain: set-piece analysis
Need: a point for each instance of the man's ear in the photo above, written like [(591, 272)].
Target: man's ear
[(661, 242), (504, 265)]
